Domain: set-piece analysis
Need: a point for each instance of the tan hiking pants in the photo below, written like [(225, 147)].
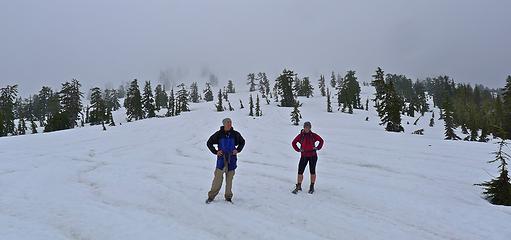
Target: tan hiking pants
[(218, 180)]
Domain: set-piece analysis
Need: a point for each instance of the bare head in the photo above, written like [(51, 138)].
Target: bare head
[(227, 124), (307, 127)]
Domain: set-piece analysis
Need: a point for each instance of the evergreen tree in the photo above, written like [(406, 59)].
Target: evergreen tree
[(251, 82), (7, 98), (219, 107), (182, 99), (258, 111), (21, 126), (295, 115), (225, 96), (432, 120), (148, 101), (194, 93), (241, 104), (506, 108), (322, 85), (284, 86), (392, 105), (230, 87), (112, 100), (171, 107), (449, 121), (70, 99), (133, 102), (98, 107), (297, 87), (33, 126), (230, 107), (333, 82), (264, 84), (160, 97), (307, 88), (121, 92), (498, 190), (58, 121), (349, 92), (328, 101), (208, 94), (251, 106), (379, 84)]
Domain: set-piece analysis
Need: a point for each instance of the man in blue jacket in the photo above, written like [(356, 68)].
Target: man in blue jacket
[(230, 143)]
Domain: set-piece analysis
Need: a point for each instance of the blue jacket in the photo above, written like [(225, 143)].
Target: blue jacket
[(227, 141)]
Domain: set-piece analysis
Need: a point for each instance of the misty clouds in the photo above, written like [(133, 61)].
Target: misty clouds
[(109, 42)]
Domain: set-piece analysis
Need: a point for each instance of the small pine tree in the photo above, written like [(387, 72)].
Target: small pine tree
[(251, 106), (333, 81), (219, 106), (230, 107), (230, 87), (295, 115), (133, 102), (392, 105), (148, 101), (449, 121), (251, 81), (258, 112), (21, 126), (322, 85), (194, 93), (171, 108), (182, 99), (208, 94), (498, 190), (328, 101), (33, 126), (241, 104)]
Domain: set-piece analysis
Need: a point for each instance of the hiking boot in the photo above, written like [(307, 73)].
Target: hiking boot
[(297, 188)]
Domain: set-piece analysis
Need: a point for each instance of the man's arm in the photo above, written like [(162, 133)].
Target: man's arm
[(294, 143), (212, 140), (241, 143)]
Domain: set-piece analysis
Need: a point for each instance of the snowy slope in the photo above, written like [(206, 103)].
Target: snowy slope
[(148, 180)]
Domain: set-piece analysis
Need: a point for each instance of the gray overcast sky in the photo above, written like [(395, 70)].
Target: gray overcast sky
[(104, 42)]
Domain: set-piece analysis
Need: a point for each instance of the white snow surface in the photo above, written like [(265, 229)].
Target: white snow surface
[(149, 179)]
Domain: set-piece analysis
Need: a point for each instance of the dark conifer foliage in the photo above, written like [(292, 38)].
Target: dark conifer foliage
[(392, 105), (241, 104), (133, 102), (506, 109), (258, 111), (498, 190), (449, 121), (171, 107), (194, 93), (295, 114), (208, 94), (230, 87), (264, 84), (284, 88), (322, 85), (251, 81), (160, 97), (98, 107), (219, 106), (333, 81), (148, 101), (328, 101), (348, 95), (71, 101), (182, 99), (7, 98), (251, 106)]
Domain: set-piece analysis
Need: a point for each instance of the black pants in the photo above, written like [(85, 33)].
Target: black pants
[(303, 163)]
